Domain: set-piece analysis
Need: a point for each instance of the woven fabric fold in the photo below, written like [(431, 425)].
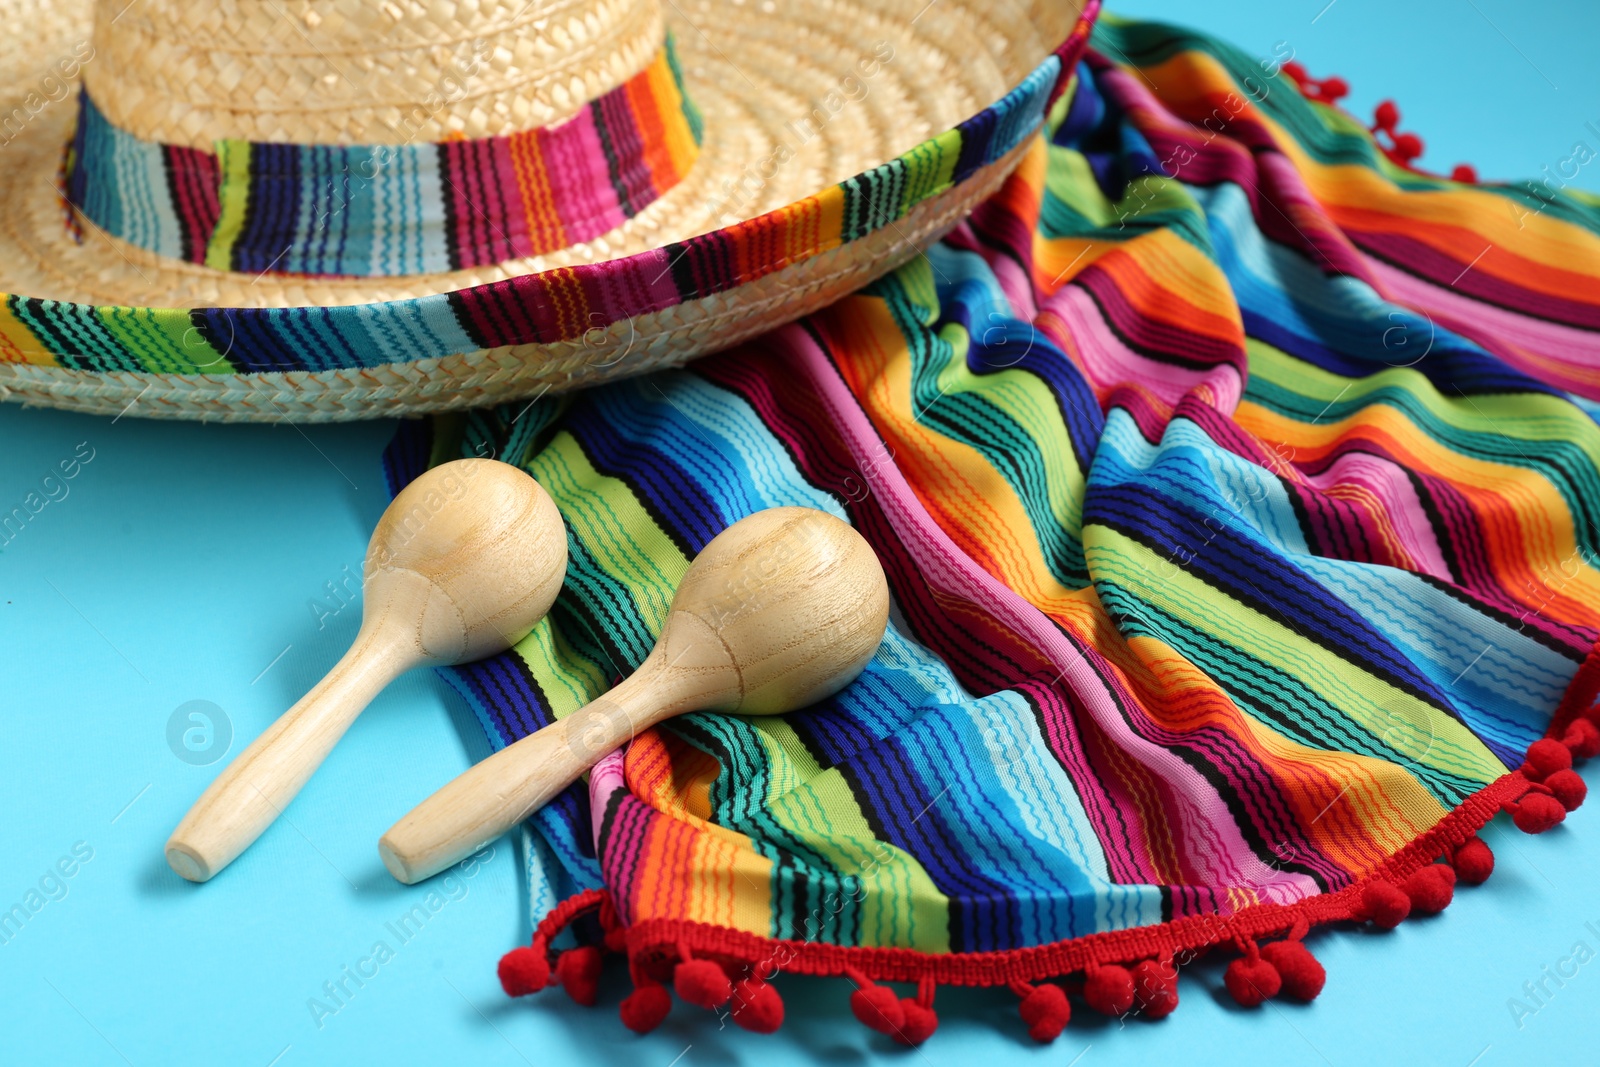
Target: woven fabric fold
[(1240, 513)]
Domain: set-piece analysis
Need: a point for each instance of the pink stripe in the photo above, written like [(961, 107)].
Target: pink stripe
[(1565, 357), (623, 289), (509, 235), (606, 778), (1108, 363), (195, 191), (576, 163), (1387, 480)]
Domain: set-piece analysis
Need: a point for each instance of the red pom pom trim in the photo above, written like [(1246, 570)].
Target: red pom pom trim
[(1474, 861), (875, 1006), (1385, 904), (757, 1007), (645, 1008), (919, 1025), (921, 1020), (1155, 988), (701, 982), (1568, 788), (1430, 889), (1251, 980), (1536, 812), (1582, 739), (1545, 757), (578, 971), (524, 970), (1108, 989), (1303, 977), (1045, 1009)]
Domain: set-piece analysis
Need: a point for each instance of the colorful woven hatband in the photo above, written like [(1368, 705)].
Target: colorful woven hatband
[(1241, 517)]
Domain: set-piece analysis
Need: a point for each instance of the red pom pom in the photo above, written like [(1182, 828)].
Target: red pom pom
[(1465, 173), (1046, 1012), (644, 1009), (1109, 990), (1303, 977), (1407, 146), (1252, 981), (1582, 739), (1430, 889), (757, 1006), (1474, 861), (878, 1008), (1568, 788), (1334, 88), (524, 970), (1536, 813), (702, 982), (578, 971), (1296, 71), (1386, 116), (1545, 757), (919, 1025), (1385, 904), (1155, 986)]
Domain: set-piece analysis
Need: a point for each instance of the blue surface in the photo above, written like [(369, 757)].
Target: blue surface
[(183, 562)]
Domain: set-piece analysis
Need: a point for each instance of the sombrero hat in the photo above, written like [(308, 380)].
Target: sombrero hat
[(335, 209)]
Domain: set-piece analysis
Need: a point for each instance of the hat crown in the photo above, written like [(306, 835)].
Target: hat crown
[(360, 71)]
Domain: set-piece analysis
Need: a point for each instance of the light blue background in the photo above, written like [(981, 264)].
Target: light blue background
[(183, 562)]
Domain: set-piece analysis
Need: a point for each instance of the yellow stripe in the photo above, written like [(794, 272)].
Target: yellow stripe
[(17, 343)]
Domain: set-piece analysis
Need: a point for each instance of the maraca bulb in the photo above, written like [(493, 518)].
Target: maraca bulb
[(793, 599), (450, 563)]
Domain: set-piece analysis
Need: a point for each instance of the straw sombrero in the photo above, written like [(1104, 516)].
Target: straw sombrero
[(334, 209)]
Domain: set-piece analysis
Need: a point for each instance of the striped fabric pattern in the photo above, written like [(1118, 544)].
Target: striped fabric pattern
[(381, 210), (1235, 538), (556, 305)]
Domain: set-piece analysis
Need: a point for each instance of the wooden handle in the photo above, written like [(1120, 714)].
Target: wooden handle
[(246, 797), (493, 796)]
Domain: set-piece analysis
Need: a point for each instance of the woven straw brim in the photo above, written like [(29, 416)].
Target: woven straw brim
[(632, 346), (757, 72)]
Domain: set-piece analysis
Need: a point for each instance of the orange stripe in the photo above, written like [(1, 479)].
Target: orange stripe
[(655, 125), (679, 142), (545, 231)]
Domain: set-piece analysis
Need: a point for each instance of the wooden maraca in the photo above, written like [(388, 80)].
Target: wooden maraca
[(464, 562), (781, 609)]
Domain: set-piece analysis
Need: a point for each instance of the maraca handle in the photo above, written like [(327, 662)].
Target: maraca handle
[(493, 796), (255, 788)]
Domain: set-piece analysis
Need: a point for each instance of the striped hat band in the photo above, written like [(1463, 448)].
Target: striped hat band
[(379, 210)]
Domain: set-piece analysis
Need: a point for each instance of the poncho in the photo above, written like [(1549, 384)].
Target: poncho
[(1237, 485)]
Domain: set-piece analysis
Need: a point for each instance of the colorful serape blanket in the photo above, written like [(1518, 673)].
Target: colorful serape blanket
[(1239, 493)]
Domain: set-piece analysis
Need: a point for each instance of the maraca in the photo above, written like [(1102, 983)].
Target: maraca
[(464, 562), (781, 609)]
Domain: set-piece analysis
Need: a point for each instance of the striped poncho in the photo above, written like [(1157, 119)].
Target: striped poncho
[(1238, 493)]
